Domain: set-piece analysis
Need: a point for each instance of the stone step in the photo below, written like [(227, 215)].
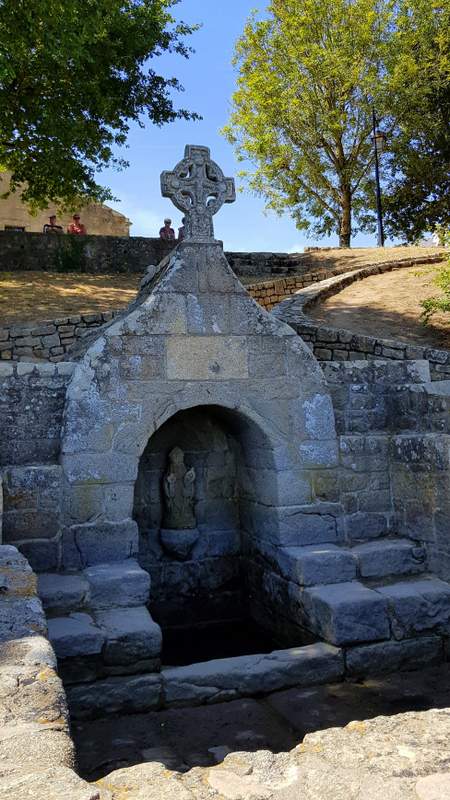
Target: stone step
[(316, 564), (346, 613), (75, 635), (327, 563), (417, 606), (352, 613), (120, 636), (120, 584), (388, 557)]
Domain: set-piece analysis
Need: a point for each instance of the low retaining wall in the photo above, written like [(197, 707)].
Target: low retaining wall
[(36, 752), (49, 340), (53, 340), (332, 344), (119, 254)]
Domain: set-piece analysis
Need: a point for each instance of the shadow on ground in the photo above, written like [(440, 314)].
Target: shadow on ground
[(203, 736), (387, 306)]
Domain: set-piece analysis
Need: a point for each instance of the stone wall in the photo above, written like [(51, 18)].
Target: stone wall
[(36, 752), (111, 254), (49, 340), (32, 400), (92, 254), (332, 344)]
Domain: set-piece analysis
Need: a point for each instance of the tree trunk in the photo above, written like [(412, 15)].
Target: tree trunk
[(345, 225)]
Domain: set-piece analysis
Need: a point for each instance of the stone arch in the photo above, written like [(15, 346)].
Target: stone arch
[(189, 342)]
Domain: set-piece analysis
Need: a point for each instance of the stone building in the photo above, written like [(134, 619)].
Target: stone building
[(190, 467), (99, 219)]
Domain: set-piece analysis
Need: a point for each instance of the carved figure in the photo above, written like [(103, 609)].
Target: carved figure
[(178, 485), (198, 188)]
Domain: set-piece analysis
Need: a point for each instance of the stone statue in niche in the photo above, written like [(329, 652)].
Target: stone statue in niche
[(178, 485), (179, 532)]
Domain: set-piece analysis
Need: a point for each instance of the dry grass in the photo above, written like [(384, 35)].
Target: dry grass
[(36, 296), (388, 306)]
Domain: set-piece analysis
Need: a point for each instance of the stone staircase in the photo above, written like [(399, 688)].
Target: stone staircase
[(373, 591), (377, 584), (98, 622)]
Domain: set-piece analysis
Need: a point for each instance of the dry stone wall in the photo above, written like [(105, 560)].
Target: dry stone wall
[(332, 344), (36, 752), (50, 340), (32, 400)]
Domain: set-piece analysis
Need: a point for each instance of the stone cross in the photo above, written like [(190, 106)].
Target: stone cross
[(198, 188)]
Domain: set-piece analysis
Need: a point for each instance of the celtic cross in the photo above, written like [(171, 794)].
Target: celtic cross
[(198, 188)]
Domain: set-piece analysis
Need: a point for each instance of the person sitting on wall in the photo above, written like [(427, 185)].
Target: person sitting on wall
[(167, 232), (76, 226), (181, 230), (51, 226)]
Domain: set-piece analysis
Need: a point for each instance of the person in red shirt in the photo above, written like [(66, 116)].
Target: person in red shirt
[(76, 226), (167, 232)]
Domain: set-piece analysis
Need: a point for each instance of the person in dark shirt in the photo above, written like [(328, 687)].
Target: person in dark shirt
[(51, 226), (167, 232), (181, 230)]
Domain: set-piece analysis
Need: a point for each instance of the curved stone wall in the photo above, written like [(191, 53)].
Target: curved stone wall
[(332, 344)]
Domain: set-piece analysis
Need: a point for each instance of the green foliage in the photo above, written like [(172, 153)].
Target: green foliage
[(73, 75), (442, 280), (69, 254), (302, 112), (417, 163), (310, 72)]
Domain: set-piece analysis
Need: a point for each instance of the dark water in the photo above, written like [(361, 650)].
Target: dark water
[(182, 646)]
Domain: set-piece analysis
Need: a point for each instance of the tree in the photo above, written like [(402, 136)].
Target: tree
[(73, 75), (417, 162), (309, 73)]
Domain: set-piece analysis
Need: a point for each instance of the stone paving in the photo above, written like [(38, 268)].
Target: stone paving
[(181, 739)]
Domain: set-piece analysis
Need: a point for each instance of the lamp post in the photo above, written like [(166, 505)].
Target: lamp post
[(379, 139)]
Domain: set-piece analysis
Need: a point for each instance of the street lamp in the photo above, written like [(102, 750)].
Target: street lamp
[(379, 139)]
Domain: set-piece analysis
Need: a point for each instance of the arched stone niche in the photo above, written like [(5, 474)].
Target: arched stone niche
[(234, 468), (194, 338)]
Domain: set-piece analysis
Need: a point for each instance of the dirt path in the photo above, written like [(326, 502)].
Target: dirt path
[(388, 306)]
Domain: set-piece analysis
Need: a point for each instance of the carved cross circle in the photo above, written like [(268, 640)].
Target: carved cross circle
[(198, 188)]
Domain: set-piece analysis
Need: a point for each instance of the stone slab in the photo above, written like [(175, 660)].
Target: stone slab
[(75, 635), (207, 358), (21, 616), (346, 613), (247, 675), (60, 593), (120, 583), (91, 544), (130, 635), (418, 606), (383, 657), (130, 695), (316, 564), (48, 784), (380, 558)]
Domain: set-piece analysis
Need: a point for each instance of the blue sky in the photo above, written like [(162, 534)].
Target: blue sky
[(209, 79)]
